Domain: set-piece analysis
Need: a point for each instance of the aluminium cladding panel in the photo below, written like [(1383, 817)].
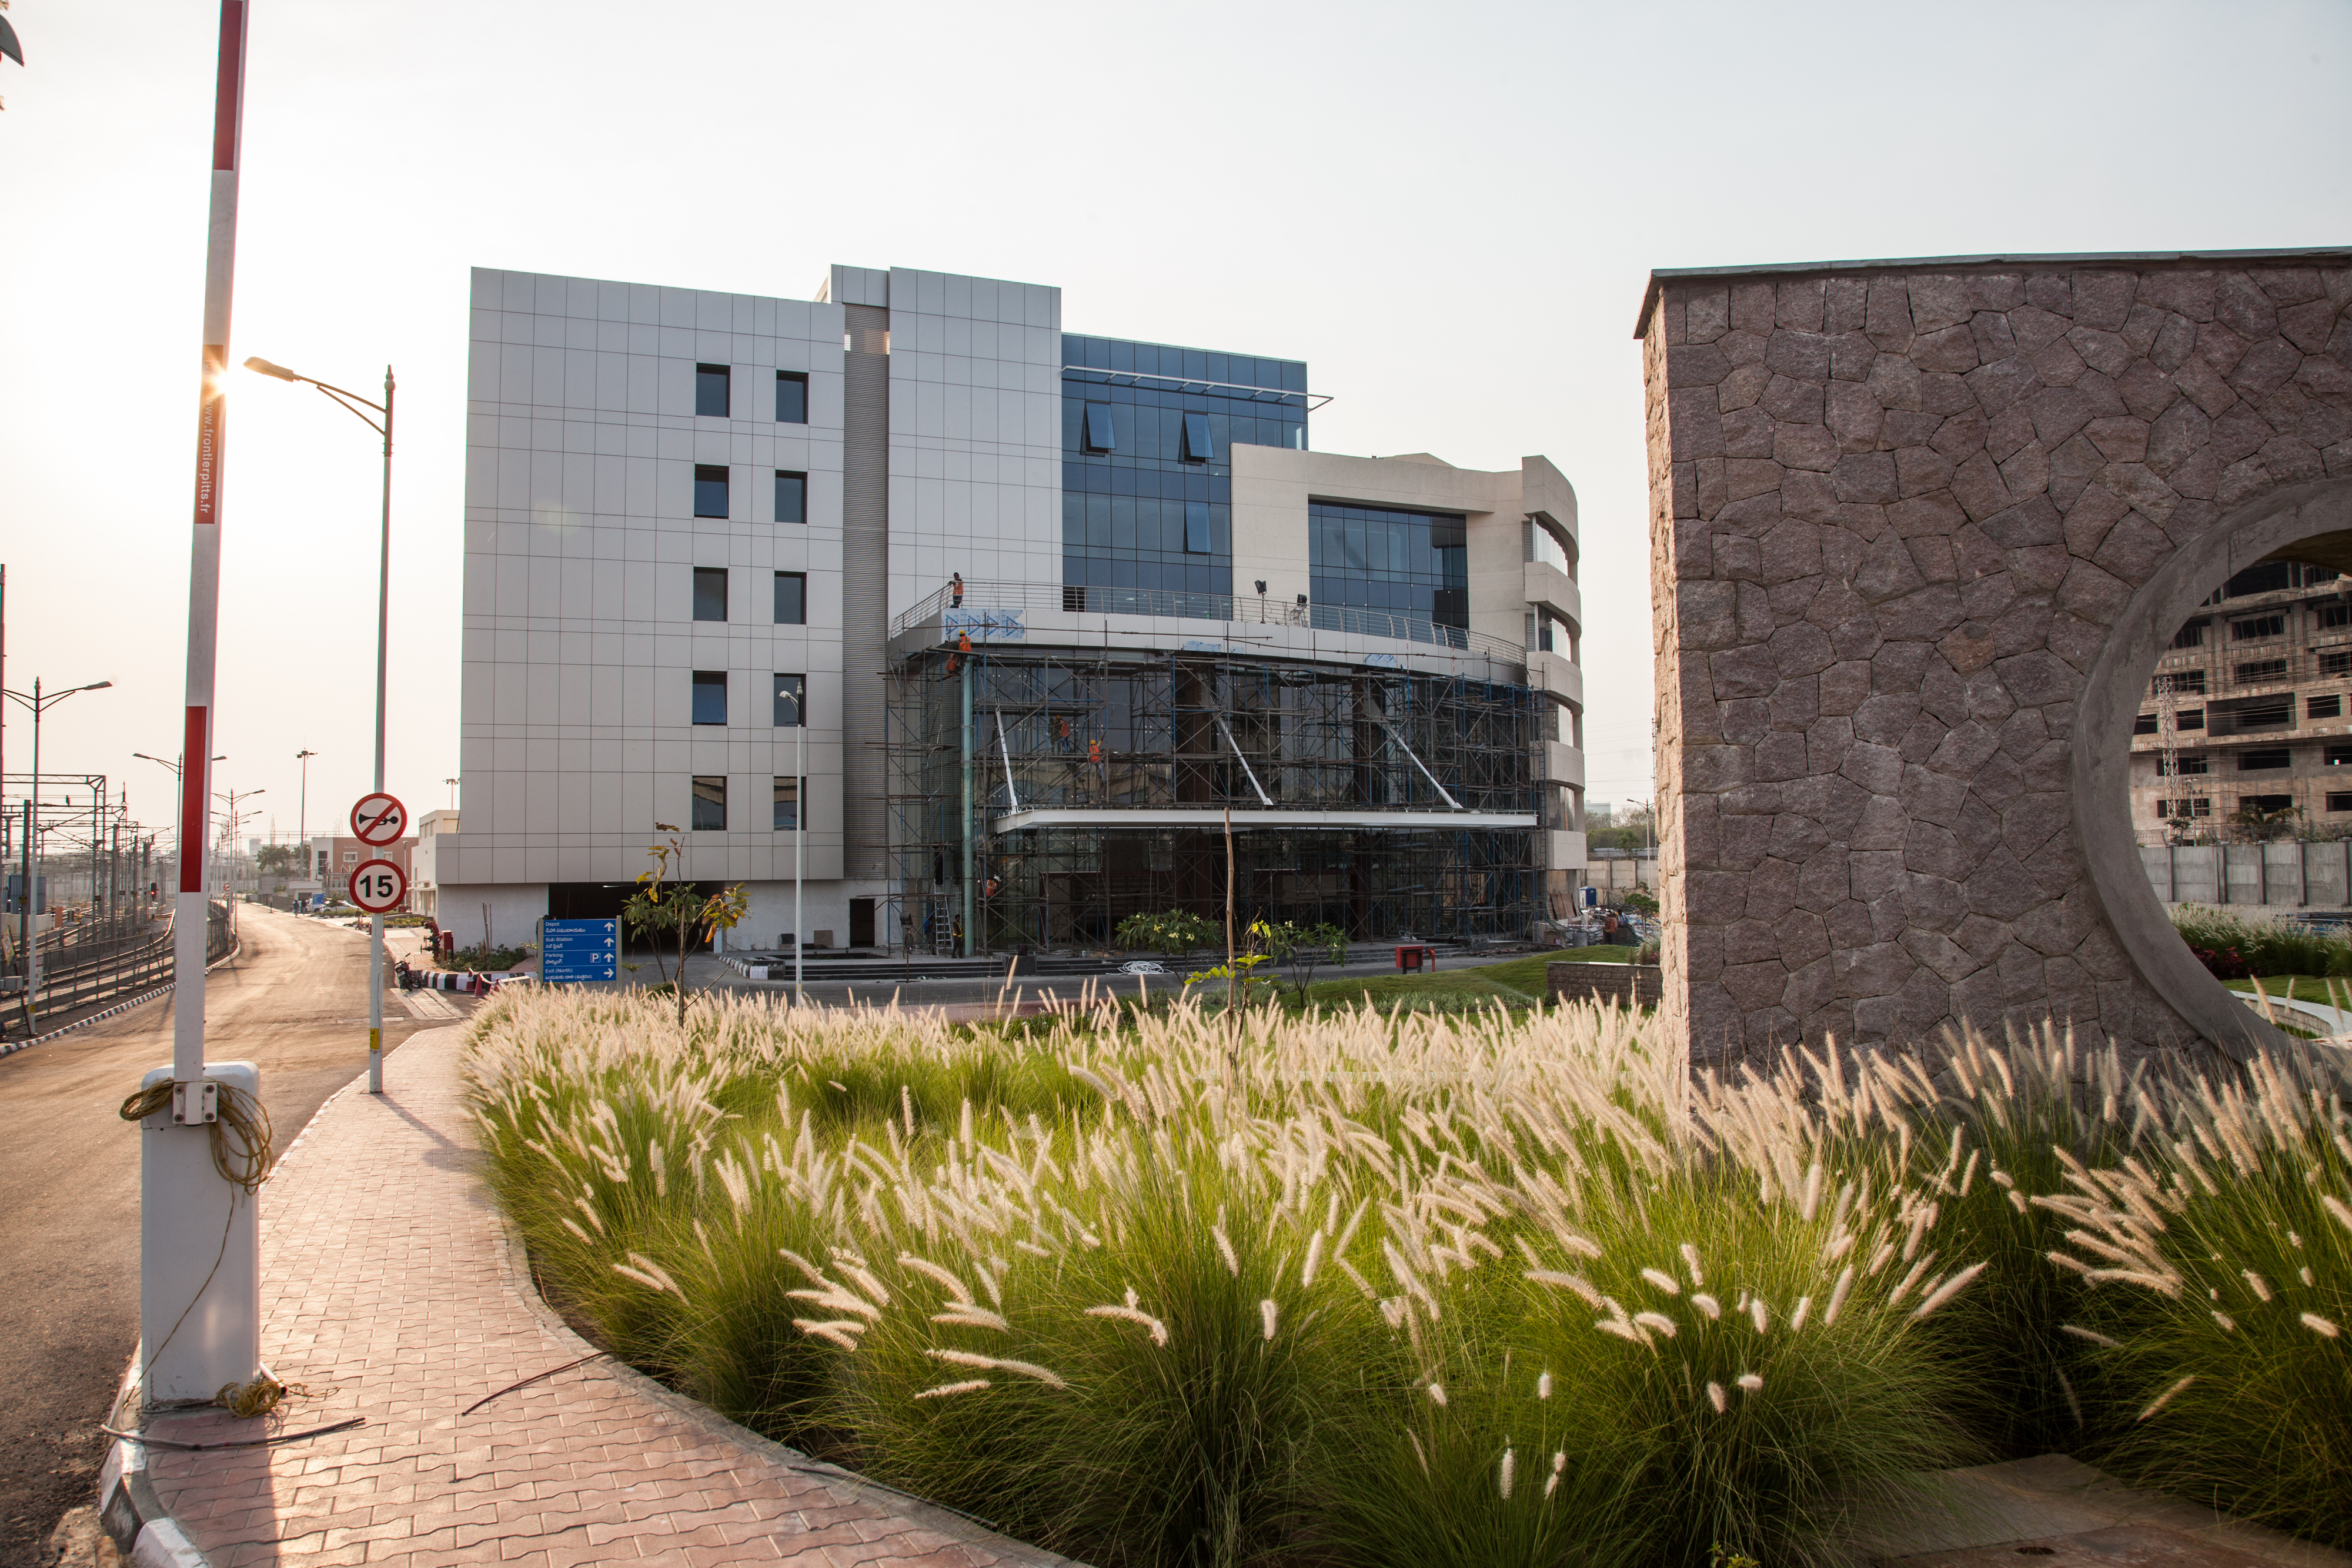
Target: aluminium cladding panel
[(975, 432), (578, 640), (865, 545)]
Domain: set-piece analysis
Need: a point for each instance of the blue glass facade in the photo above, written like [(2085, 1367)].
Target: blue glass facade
[(1407, 563), (1147, 464)]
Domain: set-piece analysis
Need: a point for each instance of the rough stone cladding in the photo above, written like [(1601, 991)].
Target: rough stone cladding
[(1894, 510)]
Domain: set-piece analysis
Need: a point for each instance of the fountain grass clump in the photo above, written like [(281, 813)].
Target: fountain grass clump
[(1364, 1287)]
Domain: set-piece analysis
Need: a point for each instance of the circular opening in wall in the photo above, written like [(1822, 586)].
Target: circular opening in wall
[(2241, 784), (2213, 774)]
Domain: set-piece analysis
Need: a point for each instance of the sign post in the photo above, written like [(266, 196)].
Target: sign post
[(579, 950), (377, 821)]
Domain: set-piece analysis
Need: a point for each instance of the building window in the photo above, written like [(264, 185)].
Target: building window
[(791, 698), (709, 489), (792, 599), (1196, 528), (791, 497), (2253, 671), (2339, 800), (351, 857), (2144, 725), (711, 391), (2196, 806), (2256, 629), (2180, 682), (2264, 805), (711, 696), (792, 398), (710, 593), (2190, 718), (2183, 765), (710, 804), (1200, 446), (2265, 760), (2338, 757), (1413, 564), (1544, 547), (787, 805), (2323, 707), (2259, 713), (2190, 636), (1100, 435)]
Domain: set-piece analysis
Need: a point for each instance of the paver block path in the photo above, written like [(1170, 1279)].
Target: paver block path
[(392, 1288)]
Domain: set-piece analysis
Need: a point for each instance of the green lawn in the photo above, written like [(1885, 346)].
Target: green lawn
[(1461, 986), (2305, 988)]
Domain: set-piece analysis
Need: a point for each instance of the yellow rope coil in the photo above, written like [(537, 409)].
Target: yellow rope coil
[(248, 1165)]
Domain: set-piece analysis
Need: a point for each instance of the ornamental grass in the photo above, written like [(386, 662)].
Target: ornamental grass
[(1367, 1288)]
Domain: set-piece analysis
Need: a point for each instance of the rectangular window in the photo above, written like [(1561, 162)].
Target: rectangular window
[(2181, 681), (2186, 765), (1196, 528), (711, 391), (2257, 628), (2336, 661), (792, 599), (710, 804), (2259, 713), (791, 497), (1199, 446), (2196, 806), (788, 805), (711, 696), (2191, 718), (2338, 757), (792, 398), (2144, 725), (2190, 636), (709, 489), (2265, 760), (2323, 707), (2263, 805), (2331, 616), (2339, 800), (1101, 437), (2254, 671), (710, 593), (792, 697)]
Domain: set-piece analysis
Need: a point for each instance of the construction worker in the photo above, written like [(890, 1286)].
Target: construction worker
[(963, 647), (955, 591)]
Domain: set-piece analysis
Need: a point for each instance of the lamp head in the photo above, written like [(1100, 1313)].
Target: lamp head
[(267, 369)]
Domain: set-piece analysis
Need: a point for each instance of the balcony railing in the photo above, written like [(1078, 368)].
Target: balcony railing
[(1233, 608)]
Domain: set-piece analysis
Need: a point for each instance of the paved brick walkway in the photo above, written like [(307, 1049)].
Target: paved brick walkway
[(391, 1290)]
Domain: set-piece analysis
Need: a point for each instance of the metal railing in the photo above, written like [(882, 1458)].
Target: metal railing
[(1231, 608), (129, 969)]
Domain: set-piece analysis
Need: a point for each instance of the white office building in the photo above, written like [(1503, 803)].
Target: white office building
[(995, 622)]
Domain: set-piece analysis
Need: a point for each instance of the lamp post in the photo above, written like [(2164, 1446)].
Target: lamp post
[(235, 826), (800, 823), (174, 764), (358, 405), (40, 704), (302, 815)]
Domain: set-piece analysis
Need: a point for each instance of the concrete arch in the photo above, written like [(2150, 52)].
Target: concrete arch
[(2111, 697)]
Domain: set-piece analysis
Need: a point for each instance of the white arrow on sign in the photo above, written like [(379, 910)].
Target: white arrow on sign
[(378, 886), (379, 820)]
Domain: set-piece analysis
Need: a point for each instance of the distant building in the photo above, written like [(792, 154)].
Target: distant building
[(2243, 731), (1046, 609)]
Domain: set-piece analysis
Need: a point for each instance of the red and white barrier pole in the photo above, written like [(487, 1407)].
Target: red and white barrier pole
[(200, 1284)]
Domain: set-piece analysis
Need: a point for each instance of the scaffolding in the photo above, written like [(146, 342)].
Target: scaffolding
[(1038, 796)]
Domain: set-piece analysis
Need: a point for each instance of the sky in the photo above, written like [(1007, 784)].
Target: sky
[(1448, 212)]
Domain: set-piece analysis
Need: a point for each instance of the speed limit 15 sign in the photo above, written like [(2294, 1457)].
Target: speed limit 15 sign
[(378, 886)]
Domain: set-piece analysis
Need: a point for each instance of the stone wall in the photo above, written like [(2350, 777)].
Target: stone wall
[(1899, 512), (1623, 985)]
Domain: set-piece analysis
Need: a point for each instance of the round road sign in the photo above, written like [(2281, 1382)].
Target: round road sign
[(378, 886), (379, 820)]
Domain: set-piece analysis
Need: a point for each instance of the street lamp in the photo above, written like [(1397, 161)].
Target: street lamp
[(302, 815), (40, 704), (358, 405), (235, 826), (799, 823)]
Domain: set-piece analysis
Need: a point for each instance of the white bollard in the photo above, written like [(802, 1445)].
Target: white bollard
[(200, 1254)]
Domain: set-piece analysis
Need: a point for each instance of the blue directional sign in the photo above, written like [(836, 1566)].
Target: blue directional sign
[(580, 949)]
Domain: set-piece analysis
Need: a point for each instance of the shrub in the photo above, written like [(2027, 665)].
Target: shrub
[(2235, 946)]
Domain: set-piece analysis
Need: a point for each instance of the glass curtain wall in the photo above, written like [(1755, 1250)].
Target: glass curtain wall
[(1147, 470), (1413, 564)]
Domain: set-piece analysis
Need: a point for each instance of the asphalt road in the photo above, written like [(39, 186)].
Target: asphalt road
[(294, 1000)]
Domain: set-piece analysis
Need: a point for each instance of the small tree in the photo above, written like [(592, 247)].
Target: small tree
[(1173, 932), (281, 860), (1303, 948), (660, 905)]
